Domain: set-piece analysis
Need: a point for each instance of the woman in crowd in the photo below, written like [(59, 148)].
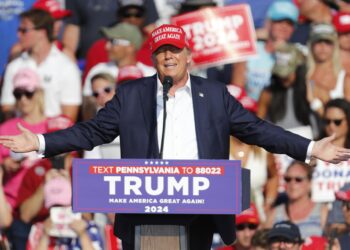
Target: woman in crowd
[(103, 86), (103, 89), (326, 79), (300, 209), (30, 108), (336, 121)]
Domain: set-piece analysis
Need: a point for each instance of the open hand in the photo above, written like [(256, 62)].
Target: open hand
[(26, 141), (326, 151)]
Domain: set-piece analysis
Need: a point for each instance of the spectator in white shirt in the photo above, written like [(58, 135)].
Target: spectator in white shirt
[(59, 75)]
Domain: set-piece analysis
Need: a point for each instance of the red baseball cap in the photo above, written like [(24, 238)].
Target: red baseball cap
[(127, 73), (168, 34), (341, 22), (343, 195), (249, 215), (53, 7)]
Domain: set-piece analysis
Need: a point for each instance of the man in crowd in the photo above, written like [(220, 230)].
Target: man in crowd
[(124, 40), (247, 223), (285, 235), (203, 115), (60, 76)]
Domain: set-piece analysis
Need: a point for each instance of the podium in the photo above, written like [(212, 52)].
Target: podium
[(171, 237), (159, 198)]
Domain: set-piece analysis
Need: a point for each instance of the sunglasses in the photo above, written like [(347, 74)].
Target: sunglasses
[(297, 179), (25, 30), (120, 42), (337, 122), (243, 226), (18, 93), (137, 14), (105, 90)]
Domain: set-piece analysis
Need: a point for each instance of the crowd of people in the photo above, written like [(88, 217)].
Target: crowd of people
[(65, 60)]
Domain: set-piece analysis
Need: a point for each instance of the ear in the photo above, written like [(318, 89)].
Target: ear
[(189, 56), (153, 58)]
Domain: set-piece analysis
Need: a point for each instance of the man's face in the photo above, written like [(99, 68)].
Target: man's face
[(133, 16), (244, 233), (344, 41), (27, 34), (118, 49), (172, 61), (281, 30), (283, 244)]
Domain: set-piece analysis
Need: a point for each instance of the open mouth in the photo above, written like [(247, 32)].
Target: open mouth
[(170, 65)]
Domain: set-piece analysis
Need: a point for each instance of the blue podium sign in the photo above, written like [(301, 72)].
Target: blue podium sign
[(160, 186)]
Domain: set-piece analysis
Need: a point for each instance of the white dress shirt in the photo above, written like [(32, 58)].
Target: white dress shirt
[(180, 141)]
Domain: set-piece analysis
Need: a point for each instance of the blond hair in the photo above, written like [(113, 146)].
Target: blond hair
[(311, 64)]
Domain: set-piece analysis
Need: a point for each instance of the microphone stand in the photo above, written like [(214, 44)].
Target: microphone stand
[(167, 83)]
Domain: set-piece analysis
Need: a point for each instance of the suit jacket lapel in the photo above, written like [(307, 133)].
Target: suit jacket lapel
[(147, 93), (199, 108)]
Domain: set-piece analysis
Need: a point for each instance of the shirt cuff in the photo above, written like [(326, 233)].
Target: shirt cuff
[(309, 151), (41, 150)]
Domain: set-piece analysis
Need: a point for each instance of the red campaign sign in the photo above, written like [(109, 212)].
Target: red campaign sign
[(219, 35)]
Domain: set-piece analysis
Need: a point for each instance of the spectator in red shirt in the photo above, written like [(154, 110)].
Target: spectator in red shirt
[(30, 199), (133, 12)]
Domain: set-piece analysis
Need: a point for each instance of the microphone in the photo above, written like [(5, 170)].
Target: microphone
[(167, 84)]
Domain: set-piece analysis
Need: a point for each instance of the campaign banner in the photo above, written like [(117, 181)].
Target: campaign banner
[(219, 35), (160, 186), (327, 179)]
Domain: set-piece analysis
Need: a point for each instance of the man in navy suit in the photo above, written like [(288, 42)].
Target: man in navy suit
[(201, 115)]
